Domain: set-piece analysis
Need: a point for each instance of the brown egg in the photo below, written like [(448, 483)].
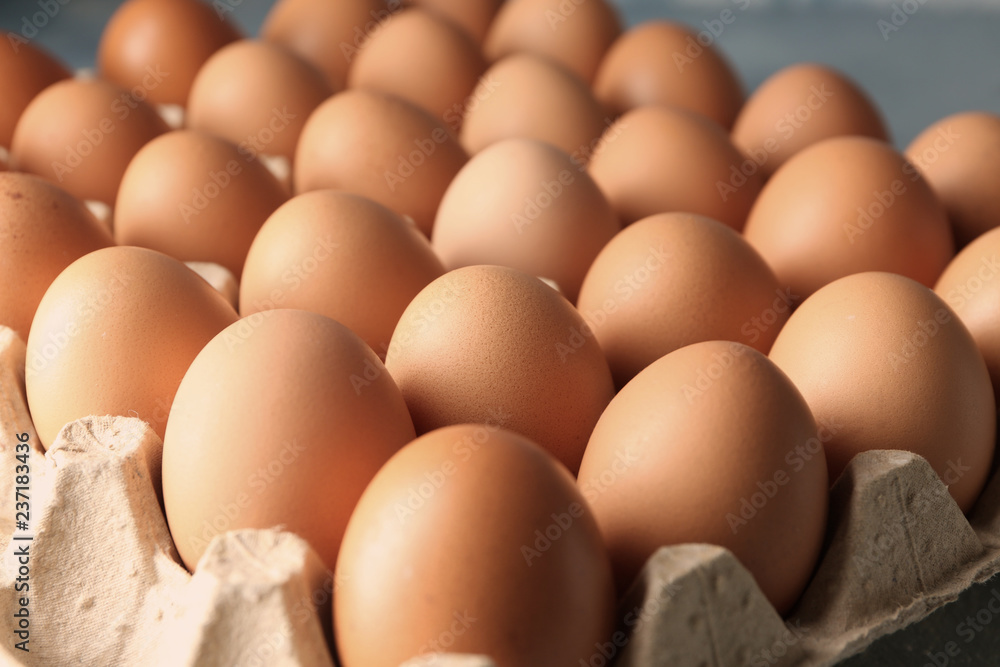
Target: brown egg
[(42, 231), (664, 63), (473, 16), (675, 279), (971, 286), (525, 204), (114, 334), (886, 364), (958, 156), (196, 198), (849, 205), (488, 344), (271, 427), (574, 34), (472, 540), (342, 256), (81, 134), (424, 59), (25, 71), (381, 147), (753, 482), (530, 97), (326, 34), (659, 160), (799, 106), (166, 39), (257, 95)]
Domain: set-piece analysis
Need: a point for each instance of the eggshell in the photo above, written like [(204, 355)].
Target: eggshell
[(25, 70), (848, 205), (342, 256), (663, 63), (533, 98), (488, 344), (663, 468), (971, 287), (799, 106), (114, 334), (674, 279), (282, 419), (525, 204), (576, 35), (660, 160), (257, 95), (473, 16), (195, 197), (380, 147), (42, 230), (81, 134), (424, 59), (326, 34), (959, 155), (472, 540), (886, 364), (174, 37)]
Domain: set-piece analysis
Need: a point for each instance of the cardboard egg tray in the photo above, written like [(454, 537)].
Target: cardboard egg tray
[(107, 587)]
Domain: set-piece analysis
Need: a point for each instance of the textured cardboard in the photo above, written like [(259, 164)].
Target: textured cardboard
[(107, 587)]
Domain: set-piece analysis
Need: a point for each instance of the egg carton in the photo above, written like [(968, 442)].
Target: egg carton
[(107, 587)]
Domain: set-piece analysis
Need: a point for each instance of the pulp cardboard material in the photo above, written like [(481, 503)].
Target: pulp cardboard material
[(107, 586)]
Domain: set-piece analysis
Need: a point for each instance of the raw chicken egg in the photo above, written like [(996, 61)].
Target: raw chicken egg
[(848, 205), (25, 71), (525, 204), (281, 420), (473, 16), (884, 363), (478, 535)]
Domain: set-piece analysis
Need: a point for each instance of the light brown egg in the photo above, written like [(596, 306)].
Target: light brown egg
[(257, 95), (380, 147), (525, 96), (959, 156), (43, 230), (525, 204), (849, 205), (340, 255), (753, 482), (169, 40), (473, 16), (971, 286), (799, 106), (326, 34), (884, 363), (488, 344), (270, 427), (664, 63), (472, 540), (424, 59), (674, 279), (659, 160), (114, 334), (25, 71), (195, 197), (81, 134), (574, 34)]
